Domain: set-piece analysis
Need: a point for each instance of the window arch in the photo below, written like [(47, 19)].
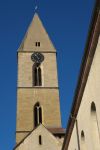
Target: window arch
[(82, 135), (83, 144), (93, 107), (95, 127), (37, 114), (37, 76)]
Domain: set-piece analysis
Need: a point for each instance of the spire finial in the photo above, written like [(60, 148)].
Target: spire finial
[(36, 7)]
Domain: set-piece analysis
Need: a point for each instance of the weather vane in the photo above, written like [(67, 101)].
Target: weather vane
[(36, 6)]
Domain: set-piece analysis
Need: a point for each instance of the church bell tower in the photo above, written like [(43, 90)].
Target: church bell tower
[(37, 87)]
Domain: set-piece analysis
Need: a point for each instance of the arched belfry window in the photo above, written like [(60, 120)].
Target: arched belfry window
[(37, 114), (94, 127), (37, 76)]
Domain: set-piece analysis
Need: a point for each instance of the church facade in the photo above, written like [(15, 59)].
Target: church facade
[(38, 123), (83, 130)]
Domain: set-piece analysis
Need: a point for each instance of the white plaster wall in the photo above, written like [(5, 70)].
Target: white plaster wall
[(91, 93), (73, 142)]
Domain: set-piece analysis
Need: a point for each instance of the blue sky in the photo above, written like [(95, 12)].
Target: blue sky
[(67, 24)]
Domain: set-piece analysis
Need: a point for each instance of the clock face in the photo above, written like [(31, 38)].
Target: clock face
[(37, 57)]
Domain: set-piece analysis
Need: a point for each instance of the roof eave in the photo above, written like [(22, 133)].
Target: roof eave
[(89, 52)]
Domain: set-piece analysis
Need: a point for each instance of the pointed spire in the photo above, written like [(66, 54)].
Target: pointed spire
[(36, 34)]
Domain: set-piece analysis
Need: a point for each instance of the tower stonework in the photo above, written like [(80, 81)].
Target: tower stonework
[(47, 94)]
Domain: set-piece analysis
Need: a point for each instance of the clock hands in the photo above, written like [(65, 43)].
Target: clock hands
[(37, 57)]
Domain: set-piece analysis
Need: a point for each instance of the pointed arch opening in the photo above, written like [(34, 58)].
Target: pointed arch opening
[(95, 127), (37, 75), (93, 107), (37, 114), (93, 111), (83, 143), (82, 136)]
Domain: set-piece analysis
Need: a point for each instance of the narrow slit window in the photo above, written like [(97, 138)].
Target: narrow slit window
[(40, 140), (82, 135), (93, 107), (37, 44), (83, 141), (37, 76), (37, 114), (94, 127), (40, 115)]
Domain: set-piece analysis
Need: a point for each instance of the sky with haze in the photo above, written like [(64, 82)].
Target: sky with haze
[(67, 23)]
